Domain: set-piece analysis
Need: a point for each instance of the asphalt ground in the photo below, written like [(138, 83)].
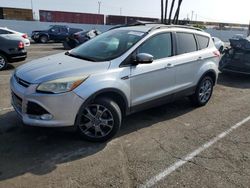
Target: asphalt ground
[(147, 151)]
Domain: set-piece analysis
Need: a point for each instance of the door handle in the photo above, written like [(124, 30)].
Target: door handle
[(200, 58), (169, 66)]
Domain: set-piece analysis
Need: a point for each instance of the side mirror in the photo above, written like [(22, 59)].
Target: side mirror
[(143, 58)]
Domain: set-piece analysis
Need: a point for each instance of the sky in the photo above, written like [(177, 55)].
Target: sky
[(230, 11)]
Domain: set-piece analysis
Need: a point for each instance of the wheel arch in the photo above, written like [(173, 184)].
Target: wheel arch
[(115, 94), (211, 73)]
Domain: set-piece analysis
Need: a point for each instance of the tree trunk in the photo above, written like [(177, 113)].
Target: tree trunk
[(162, 11), (176, 17), (171, 10), (166, 12)]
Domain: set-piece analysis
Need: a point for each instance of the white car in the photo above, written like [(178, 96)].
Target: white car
[(219, 44), (22, 36)]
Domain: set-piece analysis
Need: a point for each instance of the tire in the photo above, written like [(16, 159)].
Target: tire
[(203, 93), (43, 39), (3, 62), (99, 127), (221, 49)]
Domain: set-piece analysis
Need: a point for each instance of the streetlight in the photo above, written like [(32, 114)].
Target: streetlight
[(99, 6)]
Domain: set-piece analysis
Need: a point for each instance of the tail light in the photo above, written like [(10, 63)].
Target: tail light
[(25, 36), (21, 45), (217, 53)]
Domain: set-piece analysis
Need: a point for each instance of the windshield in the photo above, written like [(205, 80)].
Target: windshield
[(107, 46)]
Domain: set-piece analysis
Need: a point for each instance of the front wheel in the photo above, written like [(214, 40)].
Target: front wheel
[(203, 92), (99, 120), (43, 39), (3, 62)]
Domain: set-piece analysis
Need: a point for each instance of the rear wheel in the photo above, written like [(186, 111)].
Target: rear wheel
[(43, 39), (99, 120), (3, 62), (203, 92)]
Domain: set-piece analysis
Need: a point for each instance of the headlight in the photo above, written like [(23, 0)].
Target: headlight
[(61, 85)]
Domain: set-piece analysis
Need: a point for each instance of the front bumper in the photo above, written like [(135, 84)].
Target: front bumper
[(63, 108)]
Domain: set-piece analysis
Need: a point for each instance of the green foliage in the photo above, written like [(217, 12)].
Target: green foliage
[(201, 26)]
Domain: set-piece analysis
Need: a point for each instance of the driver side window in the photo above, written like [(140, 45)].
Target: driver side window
[(159, 46)]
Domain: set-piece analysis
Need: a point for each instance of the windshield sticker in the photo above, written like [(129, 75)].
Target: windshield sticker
[(135, 33)]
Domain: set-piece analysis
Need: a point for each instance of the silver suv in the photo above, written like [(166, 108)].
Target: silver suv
[(120, 72)]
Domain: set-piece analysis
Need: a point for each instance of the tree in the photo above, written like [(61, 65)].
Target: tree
[(171, 10), (164, 12)]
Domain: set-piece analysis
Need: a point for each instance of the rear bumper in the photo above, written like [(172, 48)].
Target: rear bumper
[(17, 57)]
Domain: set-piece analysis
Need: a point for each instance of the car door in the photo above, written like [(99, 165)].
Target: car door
[(154, 81), (188, 60), (54, 32), (63, 33)]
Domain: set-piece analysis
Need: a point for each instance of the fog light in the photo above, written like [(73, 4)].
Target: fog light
[(46, 117)]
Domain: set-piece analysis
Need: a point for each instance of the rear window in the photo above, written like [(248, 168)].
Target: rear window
[(186, 43), (203, 41), (2, 31)]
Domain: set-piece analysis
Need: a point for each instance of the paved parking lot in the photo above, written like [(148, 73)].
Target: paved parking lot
[(174, 145)]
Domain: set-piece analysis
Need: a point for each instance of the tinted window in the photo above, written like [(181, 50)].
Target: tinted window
[(159, 46), (63, 30), (186, 43), (203, 41)]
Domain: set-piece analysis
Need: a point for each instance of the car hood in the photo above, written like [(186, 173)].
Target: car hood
[(58, 66)]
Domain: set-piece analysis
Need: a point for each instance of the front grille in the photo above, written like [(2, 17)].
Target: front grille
[(17, 102), (35, 109), (22, 82)]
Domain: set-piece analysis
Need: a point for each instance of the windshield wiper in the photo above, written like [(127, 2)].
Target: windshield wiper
[(80, 57)]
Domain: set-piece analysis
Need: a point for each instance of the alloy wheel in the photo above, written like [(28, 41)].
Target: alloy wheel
[(2, 62), (97, 121), (205, 91)]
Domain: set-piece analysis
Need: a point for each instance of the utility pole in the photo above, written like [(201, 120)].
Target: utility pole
[(32, 9), (99, 7), (192, 15), (120, 11), (248, 29)]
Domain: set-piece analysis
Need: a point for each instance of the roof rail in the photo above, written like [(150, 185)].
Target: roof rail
[(137, 23), (177, 26), (143, 23)]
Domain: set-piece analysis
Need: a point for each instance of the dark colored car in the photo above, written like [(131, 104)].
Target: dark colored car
[(237, 58), (79, 38), (56, 33), (11, 50)]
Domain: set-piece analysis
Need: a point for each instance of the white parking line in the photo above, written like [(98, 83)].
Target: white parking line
[(154, 180), (6, 109)]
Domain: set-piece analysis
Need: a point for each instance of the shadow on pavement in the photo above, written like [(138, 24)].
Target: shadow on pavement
[(234, 80), (39, 150)]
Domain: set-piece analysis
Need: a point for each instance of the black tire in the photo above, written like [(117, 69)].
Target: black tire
[(196, 98), (88, 121), (221, 49), (3, 62), (43, 39)]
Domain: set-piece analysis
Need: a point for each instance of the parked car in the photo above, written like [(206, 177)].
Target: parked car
[(237, 57), (79, 38), (22, 36), (56, 33), (219, 44), (238, 36), (11, 50), (122, 71)]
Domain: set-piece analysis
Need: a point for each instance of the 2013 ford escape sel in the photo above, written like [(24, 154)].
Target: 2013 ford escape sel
[(120, 72)]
